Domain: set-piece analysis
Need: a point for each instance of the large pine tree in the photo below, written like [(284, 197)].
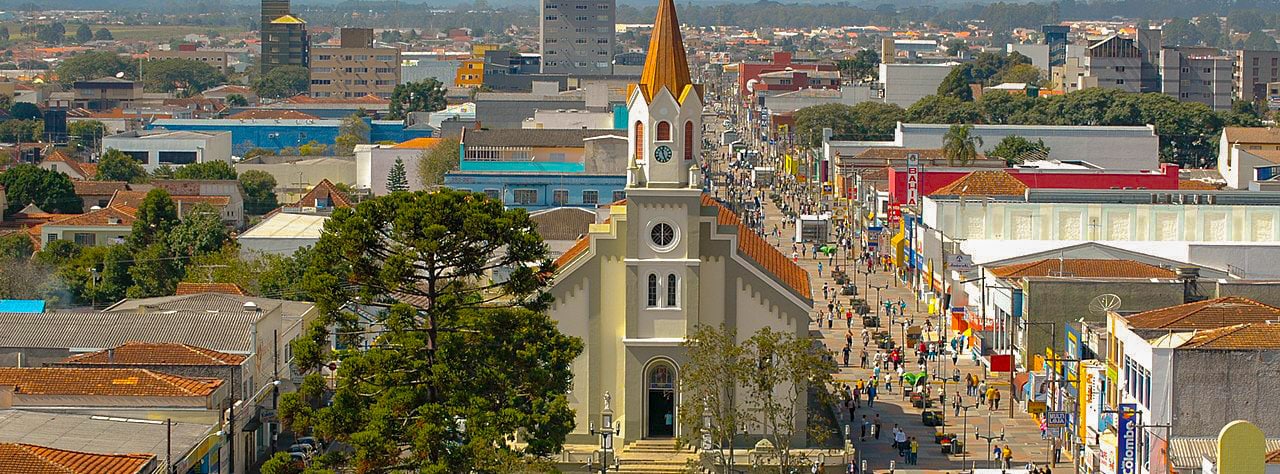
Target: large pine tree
[(397, 179)]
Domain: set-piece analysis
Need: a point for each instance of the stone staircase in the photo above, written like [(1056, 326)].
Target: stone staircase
[(654, 456)]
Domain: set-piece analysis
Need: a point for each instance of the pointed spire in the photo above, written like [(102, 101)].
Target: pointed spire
[(665, 65)]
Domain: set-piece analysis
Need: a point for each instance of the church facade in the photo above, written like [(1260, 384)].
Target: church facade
[(667, 259)]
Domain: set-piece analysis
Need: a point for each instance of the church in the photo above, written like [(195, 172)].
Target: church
[(667, 259)]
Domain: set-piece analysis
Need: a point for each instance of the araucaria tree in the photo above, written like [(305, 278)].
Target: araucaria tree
[(457, 362), (397, 179)]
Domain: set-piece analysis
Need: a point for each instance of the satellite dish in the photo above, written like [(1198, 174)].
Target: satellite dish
[(119, 75), (1104, 303)]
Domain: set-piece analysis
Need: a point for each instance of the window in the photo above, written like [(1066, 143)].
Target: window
[(602, 6), (639, 140), (1208, 70), (602, 41), (177, 157), (785, 82), (85, 239), (671, 290), (653, 290), (385, 70), (361, 82), (591, 197), (493, 193), (580, 41), (551, 18), (321, 70), (1208, 83), (324, 57), (664, 132), (619, 195), (360, 69), (526, 196), (321, 82), (1119, 81), (385, 57), (662, 235), (1119, 68), (581, 18), (560, 197), (580, 7), (362, 57), (381, 82), (688, 140), (553, 5), (52, 237)]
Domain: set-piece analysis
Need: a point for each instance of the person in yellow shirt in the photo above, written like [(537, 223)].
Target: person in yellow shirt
[(915, 449)]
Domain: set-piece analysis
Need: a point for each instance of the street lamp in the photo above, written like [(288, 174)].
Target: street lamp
[(989, 437), (606, 432)]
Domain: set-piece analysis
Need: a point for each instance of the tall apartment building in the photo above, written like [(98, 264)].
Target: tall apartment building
[(217, 59), (578, 36), (284, 36), (355, 68), (1113, 63), (1253, 70), (1197, 75)]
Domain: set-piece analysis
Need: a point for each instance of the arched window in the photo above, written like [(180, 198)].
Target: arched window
[(639, 141), (671, 290), (664, 131), (688, 140), (653, 290)]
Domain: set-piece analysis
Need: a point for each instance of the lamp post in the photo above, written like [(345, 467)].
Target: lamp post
[(964, 452), (989, 437), (606, 432)]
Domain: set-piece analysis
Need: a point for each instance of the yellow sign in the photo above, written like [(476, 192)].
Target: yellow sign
[(1036, 408)]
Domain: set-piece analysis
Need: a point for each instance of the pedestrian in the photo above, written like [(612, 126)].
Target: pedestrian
[(862, 362), (955, 359), (900, 439), (819, 267), (995, 399), (915, 448), (866, 424), (982, 392), (847, 350), (875, 427), (871, 396), (848, 338), (1007, 456), (848, 318), (831, 320), (825, 291), (956, 404)]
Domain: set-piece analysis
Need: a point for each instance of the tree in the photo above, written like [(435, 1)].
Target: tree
[(422, 96), (710, 382), (396, 179), (54, 33), (51, 191), (786, 368), (1245, 20), (84, 134), (437, 161), (862, 67), (1001, 107), (21, 130), (943, 109), (103, 34), (1020, 73), (281, 463), (200, 232), (25, 111), (399, 402), (168, 75), (1014, 149), (16, 246), (282, 81), (154, 218), (4, 33), (864, 121), (117, 166), (217, 169), (353, 131), (956, 47), (313, 148), (164, 171), (84, 34), (93, 65), (259, 190), (1259, 41), (1180, 32), (237, 100), (960, 146)]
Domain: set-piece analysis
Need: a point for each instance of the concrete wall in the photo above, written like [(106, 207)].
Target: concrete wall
[(296, 177), (1249, 380), (214, 148), (513, 113), (1119, 148), (1066, 300), (904, 84)]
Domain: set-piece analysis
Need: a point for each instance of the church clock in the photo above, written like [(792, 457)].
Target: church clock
[(662, 154)]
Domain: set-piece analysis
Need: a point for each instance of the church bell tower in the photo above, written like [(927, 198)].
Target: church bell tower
[(665, 111)]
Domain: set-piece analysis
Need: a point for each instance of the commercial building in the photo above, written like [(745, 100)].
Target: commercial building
[(1197, 75), (297, 225), (784, 81), (1253, 70), (219, 60), (497, 110), (106, 93), (904, 84), (577, 36), (155, 148), (505, 71), (1247, 155), (942, 179), (284, 37), (278, 134), (355, 68), (749, 72), (374, 162), (1113, 63)]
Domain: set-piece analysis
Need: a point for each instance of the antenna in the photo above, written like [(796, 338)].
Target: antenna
[(1104, 303)]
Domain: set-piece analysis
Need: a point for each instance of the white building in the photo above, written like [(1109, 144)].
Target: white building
[(1247, 155), (570, 119), (374, 163), (156, 148), (904, 84)]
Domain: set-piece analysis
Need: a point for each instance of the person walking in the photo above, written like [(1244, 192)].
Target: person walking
[(846, 355), (862, 362), (982, 392), (866, 425), (995, 398), (815, 255), (1007, 456), (956, 404), (871, 396), (915, 449)]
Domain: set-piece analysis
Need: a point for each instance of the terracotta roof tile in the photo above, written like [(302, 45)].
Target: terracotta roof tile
[(191, 288), (420, 143), (134, 199), (578, 248), (324, 189), (104, 382), (306, 99), (754, 247), (99, 188), (1195, 185), (1273, 457), (156, 353), (984, 183), (59, 157), (33, 459), (112, 215), (1083, 267), (1207, 314), (563, 223), (272, 114), (1239, 337), (1252, 135), (900, 154)]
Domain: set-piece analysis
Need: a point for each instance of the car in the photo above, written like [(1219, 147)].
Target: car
[(304, 449), (315, 444)]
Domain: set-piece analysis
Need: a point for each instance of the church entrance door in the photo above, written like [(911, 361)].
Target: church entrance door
[(661, 400)]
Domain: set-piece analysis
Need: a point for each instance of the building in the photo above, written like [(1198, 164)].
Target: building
[(792, 80), (51, 387), (506, 71), (219, 60), (1057, 37), (1197, 75), (23, 457), (106, 226), (155, 148), (1253, 70), (497, 110), (571, 119), (279, 134), (420, 66), (668, 258), (374, 163), (106, 93), (1112, 63), (284, 37), (540, 190), (65, 164), (562, 151), (978, 181), (470, 73), (69, 442), (577, 36), (1247, 155), (905, 84), (295, 175), (296, 225), (355, 68), (1038, 53), (749, 72)]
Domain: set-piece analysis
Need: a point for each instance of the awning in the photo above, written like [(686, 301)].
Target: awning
[(899, 244), (255, 422)]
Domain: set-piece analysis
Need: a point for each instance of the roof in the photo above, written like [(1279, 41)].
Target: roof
[(110, 216), (306, 99), (420, 143), (1196, 185), (33, 459), (218, 330), (111, 382), (1207, 314), (578, 248), (98, 188), (59, 157), (665, 64), (894, 153), (563, 223), (288, 20), (21, 306), (755, 248), (984, 183), (1273, 457), (100, 434), (1251, 336), (134, 199), (161, 134), (190, 288), (1083, 268), (323, 189), (284, 225), (1252, 135), (533, 137), (1188, 452), (156, 353), (273, 114)]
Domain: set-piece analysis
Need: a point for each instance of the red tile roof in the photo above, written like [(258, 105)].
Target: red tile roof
[(104, 382), (59, 157), (306, 99), (33, 459), (1194, 185), (578, 248), (98, 188), (190, 288), (112, 215), (1253, 336), (984, 183), (156, 353), (134, 199), (324, 189), (754, 247), (1083, 267), (1208, 314)]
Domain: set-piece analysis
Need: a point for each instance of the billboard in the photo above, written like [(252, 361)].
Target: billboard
[(1127, 439)]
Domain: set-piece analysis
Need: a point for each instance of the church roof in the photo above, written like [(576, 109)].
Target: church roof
[(666, 64)]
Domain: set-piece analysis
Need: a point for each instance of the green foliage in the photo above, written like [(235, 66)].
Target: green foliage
[(85, 134), (1015, 149), (985, 69), (54, 33), (12, 131), (51, 191), (84, 34), (103, 34), (313, 148), (862, 66), (1000, 107), (237, 100), (93, 65), (353, 131), (155, 272), (217, 169), (943, 109), (282, 82), (201, 231), (716, 366), (25, 111), (422, 96), (117, 166), (956, 47), (259, 190), (164, 171), (864, 121), (1246, 20), (169, 75), (396, 178), (437, 161), (265, 275), (281, 463), (155, 217), (1180, 32), (785, 369), (437, 247), (15, 246), (1259, 41), (960, 145)]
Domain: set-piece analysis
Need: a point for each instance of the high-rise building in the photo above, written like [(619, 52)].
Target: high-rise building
[(1197, 75), (355, 68), (578, 36), (1253, 70), (284, 36), (1149, 43), (1057, 37)]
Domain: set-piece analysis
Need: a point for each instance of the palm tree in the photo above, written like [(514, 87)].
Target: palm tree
[(960, 146)]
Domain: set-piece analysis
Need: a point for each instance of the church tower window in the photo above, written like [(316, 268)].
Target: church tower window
[(688, 140), (639, 140), (664, 131), (653, 290), (671, 290)]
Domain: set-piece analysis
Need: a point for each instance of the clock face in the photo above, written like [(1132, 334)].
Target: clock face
[(662, 154)]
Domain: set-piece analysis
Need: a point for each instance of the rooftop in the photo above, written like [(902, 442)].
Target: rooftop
[(156, 353), (191, 288), (1252, 135), (33, 459), (1208, 314), (532, 137), (1251, 336), (104, 382), (1084, 268), (223, 331), (98, 188), (984, 183), (110, 216)]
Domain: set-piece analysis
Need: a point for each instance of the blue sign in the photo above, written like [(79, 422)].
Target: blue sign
[(1127, 441)]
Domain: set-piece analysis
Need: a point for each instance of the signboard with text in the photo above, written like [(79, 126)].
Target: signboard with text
[(1127, 439), (913, 179), (1057, 418)]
